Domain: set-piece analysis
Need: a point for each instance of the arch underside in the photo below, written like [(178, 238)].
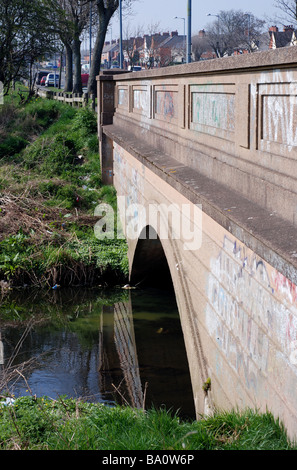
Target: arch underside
[(150, 267), (155, 264)]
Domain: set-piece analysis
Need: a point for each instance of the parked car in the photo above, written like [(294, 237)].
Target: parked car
[(40, 75), (85, 68), (84, 79), (134, 68), (42, 81), (52, 79)]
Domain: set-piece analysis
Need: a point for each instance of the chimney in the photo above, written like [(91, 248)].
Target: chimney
[(202, 33), (273, 29), (289, 28), (174, 33)]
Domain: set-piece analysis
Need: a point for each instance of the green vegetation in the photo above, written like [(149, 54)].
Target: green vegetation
[(66, 424), (50, 185)]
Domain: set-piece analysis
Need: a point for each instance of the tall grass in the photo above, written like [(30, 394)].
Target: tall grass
[(67, 424)]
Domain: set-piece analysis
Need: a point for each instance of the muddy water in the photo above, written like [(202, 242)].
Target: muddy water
[(105, 346)]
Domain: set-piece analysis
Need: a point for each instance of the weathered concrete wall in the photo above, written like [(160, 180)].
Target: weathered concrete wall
[(221, 135), (238, 313)]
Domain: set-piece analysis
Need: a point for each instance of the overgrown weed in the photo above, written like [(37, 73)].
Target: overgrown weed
[(50, 186)]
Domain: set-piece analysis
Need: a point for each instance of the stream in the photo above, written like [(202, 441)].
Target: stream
[(108, 346)]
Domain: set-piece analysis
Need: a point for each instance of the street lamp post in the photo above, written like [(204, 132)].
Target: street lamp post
[(184, 20), (218, 16), (189, 42), (249, 31), (91, 19), (121, 34)]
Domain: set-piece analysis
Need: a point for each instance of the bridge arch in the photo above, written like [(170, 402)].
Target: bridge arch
[(155, 263), (150, 266)]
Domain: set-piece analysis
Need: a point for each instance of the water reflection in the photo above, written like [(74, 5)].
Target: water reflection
[(125, 343), (106, 346)]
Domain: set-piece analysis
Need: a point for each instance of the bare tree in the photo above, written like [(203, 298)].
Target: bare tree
[(234, 29), (200, 45), (288, 9), (152, 41), (131, 38), (105, 11)]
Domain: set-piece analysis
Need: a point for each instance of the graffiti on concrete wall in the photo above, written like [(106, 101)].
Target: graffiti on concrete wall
[(214, 110), (140, 100), (251, 314), (279, 108), (166, 105), (129, 180), (286, 287), (123, 97)]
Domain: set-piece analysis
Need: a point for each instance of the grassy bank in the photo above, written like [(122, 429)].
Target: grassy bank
[(66, 424), (49, 187)]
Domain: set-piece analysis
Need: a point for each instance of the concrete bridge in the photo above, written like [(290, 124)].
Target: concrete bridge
[(212, 146)]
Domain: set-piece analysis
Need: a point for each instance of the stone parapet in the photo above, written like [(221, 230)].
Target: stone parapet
[(231, 122)]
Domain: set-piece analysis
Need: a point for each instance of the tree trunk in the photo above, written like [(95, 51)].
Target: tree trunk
[(69, 69), (77, 84), (96, 62), (61, 68), (104, 14)]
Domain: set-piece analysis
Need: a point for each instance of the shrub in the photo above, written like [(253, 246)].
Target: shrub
[(45, 111), (93, 143), (52, 156), (12, 145), (85, 121), (48, 188)]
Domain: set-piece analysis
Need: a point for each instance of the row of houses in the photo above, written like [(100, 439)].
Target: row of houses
[(162, 49), (156, 50), (272, 39), (285, 38)]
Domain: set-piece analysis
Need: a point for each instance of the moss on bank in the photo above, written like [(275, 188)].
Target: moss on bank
[(50, 185)]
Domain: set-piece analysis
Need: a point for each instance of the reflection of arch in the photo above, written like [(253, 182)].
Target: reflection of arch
[(145, 354), (126, 348), (161, 263)]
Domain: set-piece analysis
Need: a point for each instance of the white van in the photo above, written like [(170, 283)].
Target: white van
[(134, 68), (52, 79)]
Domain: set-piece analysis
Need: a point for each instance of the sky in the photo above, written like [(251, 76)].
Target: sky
[(148, 12)]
